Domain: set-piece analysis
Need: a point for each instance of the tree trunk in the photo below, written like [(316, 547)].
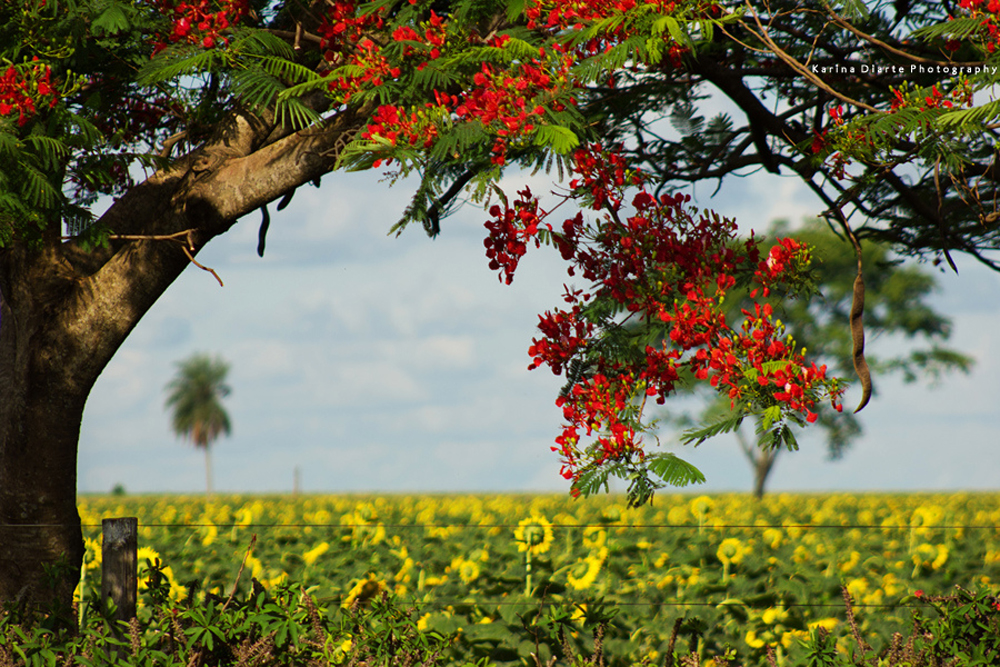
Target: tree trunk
[(66, 309), (58, 330), (762, 469), (208, 471), (762, 461), (39, 524)]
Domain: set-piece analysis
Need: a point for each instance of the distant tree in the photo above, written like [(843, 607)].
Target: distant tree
[(195, 396), (895, 304)]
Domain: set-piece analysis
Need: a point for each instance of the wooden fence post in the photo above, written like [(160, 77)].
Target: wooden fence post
[(119, 573)]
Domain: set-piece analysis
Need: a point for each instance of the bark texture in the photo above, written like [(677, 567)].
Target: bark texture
[(65, 311)]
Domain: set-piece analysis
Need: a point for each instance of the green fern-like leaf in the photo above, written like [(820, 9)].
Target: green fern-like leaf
[(37, 189), (901, 122), (51, 151), (724, 425), (293, 113), (960, 28), (435, 77), (176, 62), (111, 21), (674, 470), (559, 139), (853, 9), (459, 139), (289, 71), (10, 145), (254, 42), (592, 481), (256, 88), (964, 118), (86, 132), (519, 50), (777, 436)]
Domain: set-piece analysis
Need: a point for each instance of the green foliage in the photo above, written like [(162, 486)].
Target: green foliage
[(661, 592), (964, 632), (285, 626), (644, 476), (699, 435)]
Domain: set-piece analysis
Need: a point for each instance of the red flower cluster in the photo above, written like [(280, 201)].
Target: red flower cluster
[(565, 333), (395, 124), (23, 88), (344, 41), (343, 27), (844, 141), (510, 229), (775, 363), (961, 94), (659, 262), (989, 12), (789, 253), (200, 22), (597, 405), (433, 38), (602, 176), (375, 69), (562, 14), (506, 101)]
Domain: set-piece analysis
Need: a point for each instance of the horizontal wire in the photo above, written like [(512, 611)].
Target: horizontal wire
[(394, 526), (797, 526), (706, 603), (624, 603)]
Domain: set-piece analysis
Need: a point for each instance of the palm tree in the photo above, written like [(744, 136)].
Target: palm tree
[(195, 396)]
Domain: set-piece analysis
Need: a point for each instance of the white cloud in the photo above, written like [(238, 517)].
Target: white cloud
[(386, 364), (442, 353)]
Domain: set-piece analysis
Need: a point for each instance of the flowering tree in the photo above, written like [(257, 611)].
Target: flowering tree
[(225, 106), (896, 304)]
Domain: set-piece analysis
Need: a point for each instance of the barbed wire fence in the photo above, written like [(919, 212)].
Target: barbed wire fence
[(127, 602)]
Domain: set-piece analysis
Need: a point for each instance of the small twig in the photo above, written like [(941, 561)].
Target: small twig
[(184, 238), (853, 623), (246, 556), (801, 69), (839, 20), (293, 35), (673, 639)]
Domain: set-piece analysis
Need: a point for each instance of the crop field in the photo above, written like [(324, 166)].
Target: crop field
[(742, 573)]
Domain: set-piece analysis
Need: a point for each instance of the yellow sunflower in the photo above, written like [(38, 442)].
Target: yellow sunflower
[(313, 554), (594, 537), (929, 556), (467, 570), (731, 550), (583, 574), (363, 591), (533, 535)]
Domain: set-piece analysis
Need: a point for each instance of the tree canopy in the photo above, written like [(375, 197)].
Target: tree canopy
[(191, 114)]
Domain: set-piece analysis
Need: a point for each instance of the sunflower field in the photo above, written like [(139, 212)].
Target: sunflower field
[(723, 575)]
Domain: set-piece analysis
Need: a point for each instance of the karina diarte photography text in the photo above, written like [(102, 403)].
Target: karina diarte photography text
[(867, 68)]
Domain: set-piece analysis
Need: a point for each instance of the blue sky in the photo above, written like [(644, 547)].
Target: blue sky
[(384, 364)]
